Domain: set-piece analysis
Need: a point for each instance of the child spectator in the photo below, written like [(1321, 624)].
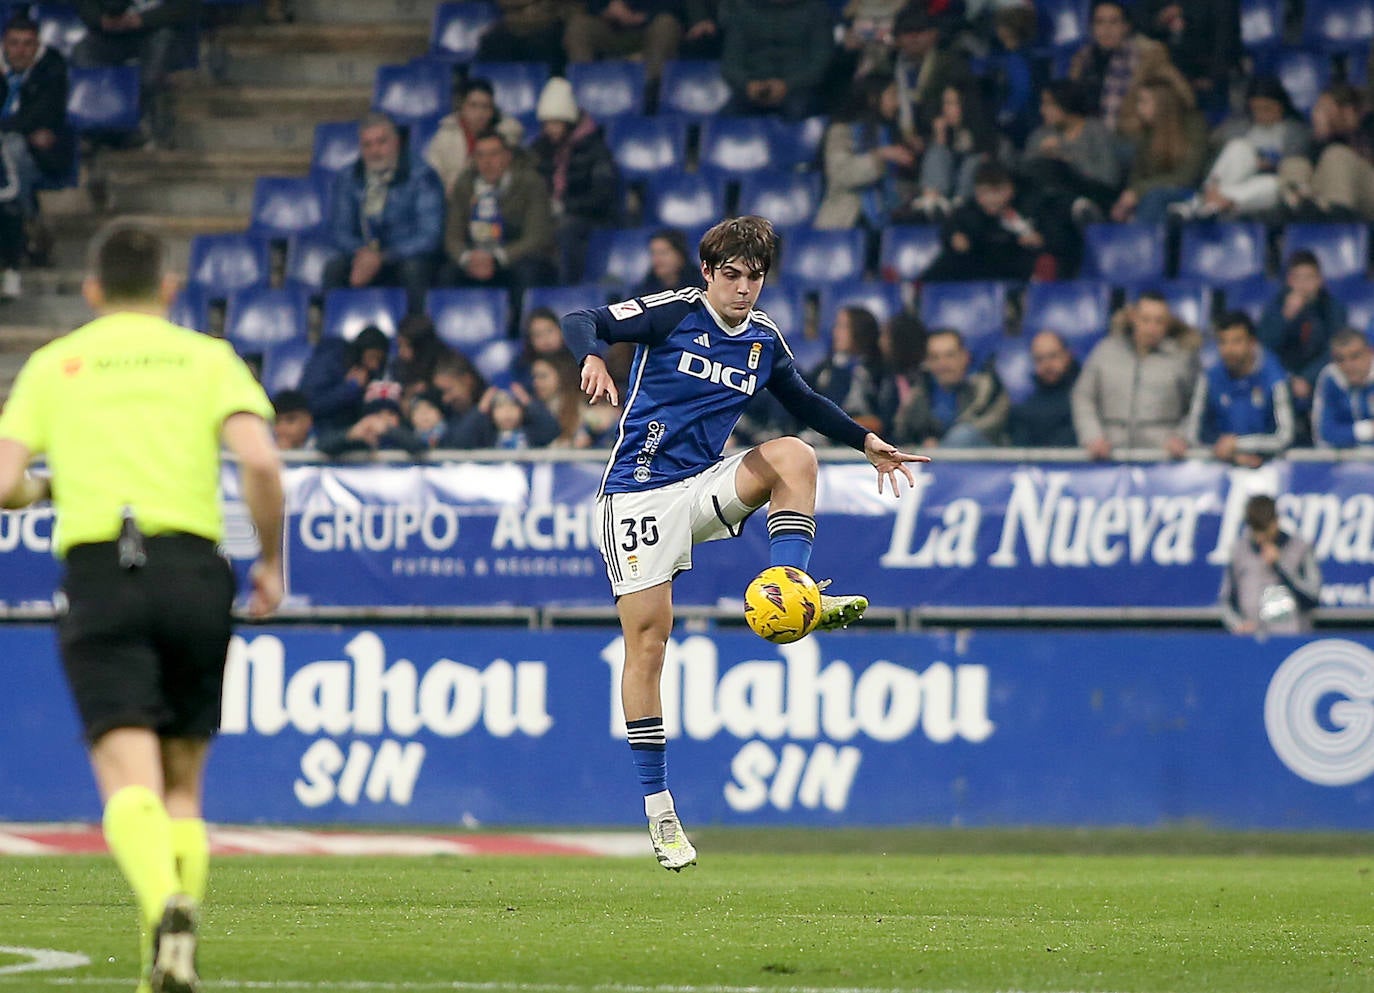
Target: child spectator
[(1299, 324), (293, 427), (427, 418), (986, 238), (1169, 155)]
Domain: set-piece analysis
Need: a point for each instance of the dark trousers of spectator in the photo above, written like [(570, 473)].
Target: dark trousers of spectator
[(798, 105), (516, 277), (500, 44), (157, 52), (414, 274)]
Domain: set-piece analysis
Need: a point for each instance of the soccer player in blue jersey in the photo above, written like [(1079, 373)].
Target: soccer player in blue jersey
[(701, 356)]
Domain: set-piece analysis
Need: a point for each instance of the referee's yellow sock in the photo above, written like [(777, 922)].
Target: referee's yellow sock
[(139, 834), (191, 848)]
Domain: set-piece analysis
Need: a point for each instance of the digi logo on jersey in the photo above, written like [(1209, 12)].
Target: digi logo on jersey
[(700, 367)]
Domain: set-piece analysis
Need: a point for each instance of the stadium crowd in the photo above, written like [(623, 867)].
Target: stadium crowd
[(990, 234)]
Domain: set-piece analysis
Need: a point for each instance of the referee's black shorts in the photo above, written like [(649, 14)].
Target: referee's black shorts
[(146, 647)]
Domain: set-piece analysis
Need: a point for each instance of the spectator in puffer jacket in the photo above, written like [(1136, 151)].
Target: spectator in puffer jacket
[(386, 218), (1241, 407), (1343, 405), (584, 185), (1138, 382), (949, 406)]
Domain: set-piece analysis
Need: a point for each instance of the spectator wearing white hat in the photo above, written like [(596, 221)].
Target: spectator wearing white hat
[(572, 155)]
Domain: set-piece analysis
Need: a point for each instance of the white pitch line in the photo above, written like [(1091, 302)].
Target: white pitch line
[(40, 960)]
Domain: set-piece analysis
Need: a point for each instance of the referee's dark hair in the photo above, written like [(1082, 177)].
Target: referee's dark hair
[(127, 260)]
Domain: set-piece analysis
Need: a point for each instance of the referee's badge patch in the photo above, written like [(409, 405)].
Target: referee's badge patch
[(626, 309), (755, 350), (72, 366)]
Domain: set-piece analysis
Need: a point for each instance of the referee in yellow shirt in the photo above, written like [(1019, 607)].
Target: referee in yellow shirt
[(131, 413)]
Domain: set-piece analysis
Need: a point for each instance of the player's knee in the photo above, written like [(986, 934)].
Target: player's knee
[(795, 459)]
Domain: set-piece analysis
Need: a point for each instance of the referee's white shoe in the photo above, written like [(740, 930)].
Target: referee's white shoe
[(174, 949)]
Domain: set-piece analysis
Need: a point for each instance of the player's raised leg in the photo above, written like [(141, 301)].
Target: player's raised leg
[(782, 472), (646, 620)]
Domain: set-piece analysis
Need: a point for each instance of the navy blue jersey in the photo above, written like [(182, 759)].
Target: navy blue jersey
[(690, 382)]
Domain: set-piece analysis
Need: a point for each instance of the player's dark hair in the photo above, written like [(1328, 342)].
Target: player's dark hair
[(750, 239), (1303, 256), (1260, 512), (127, 259)]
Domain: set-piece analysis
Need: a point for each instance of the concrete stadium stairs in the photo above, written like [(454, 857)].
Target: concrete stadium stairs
[(249, 110)]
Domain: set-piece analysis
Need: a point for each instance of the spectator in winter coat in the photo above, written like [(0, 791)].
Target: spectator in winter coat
[(1343, 404), (986, 238), (572, 155), (33, 106), (337, 374), (775, 55), (651, 29), (1169, 155), (1273, 582), (1138, 382), (949, 406), (1115, 65), (869, 170), (386, 218), (450, 150), (1072, 156), (1298, 325), (1045, 418), (923, 70), (1241, 407), (853, 374)]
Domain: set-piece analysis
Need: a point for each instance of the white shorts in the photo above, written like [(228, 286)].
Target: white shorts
[(647, 537)]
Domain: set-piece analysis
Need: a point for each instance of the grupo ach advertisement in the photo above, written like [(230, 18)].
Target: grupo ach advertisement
[(501, 726), (968, 535)]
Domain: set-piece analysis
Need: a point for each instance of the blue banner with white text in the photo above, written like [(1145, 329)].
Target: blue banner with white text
[(446, 725), (968, 535)]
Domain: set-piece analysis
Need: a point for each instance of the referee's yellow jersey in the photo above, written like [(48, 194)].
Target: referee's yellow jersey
[(128, 411)]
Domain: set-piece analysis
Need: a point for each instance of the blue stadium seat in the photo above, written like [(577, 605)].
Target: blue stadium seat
[(306, 256), (1342, 249), (59, 26), (618, 255), (191, 308), (516, 84), (784, 301), (223, 263), (469, 318), (1261, 24), (1079, 310), (336, 146), (609, 89), (259, 317), (563, 300), (1011, 360), (1124, 254), (413, 91), (1357, 294), (496, 361), (685, 199), (737, 146), (103, 99), (976, 309), (457, 29), (797, 144), (346, 312), (1064, 24), (1338, 25), (1222, 252), (693, 87), (882, 300), (823, 256), (1189, 300), (905, 251), (286, 205), (283, 365), (1304, 75), (1250, 295), (647, 146), (785, 198)]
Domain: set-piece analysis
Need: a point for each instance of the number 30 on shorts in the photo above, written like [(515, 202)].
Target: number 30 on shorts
[(639, 531)]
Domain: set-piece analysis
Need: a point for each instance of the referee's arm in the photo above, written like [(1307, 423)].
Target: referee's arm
[(17, 488), (248, 437)]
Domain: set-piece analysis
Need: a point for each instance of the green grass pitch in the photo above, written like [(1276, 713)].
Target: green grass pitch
[(807, 912)]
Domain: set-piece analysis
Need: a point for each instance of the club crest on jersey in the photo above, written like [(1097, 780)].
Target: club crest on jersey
[(625, 309), (700, 367), (755, 350)]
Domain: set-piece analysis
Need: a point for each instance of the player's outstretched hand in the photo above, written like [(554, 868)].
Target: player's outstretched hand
[(597, 381), (889, 461)]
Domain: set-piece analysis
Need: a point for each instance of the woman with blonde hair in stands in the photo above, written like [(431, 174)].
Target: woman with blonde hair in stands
[(1169, 155)]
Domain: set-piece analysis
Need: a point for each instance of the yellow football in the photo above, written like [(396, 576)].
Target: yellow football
[(782, 604)]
